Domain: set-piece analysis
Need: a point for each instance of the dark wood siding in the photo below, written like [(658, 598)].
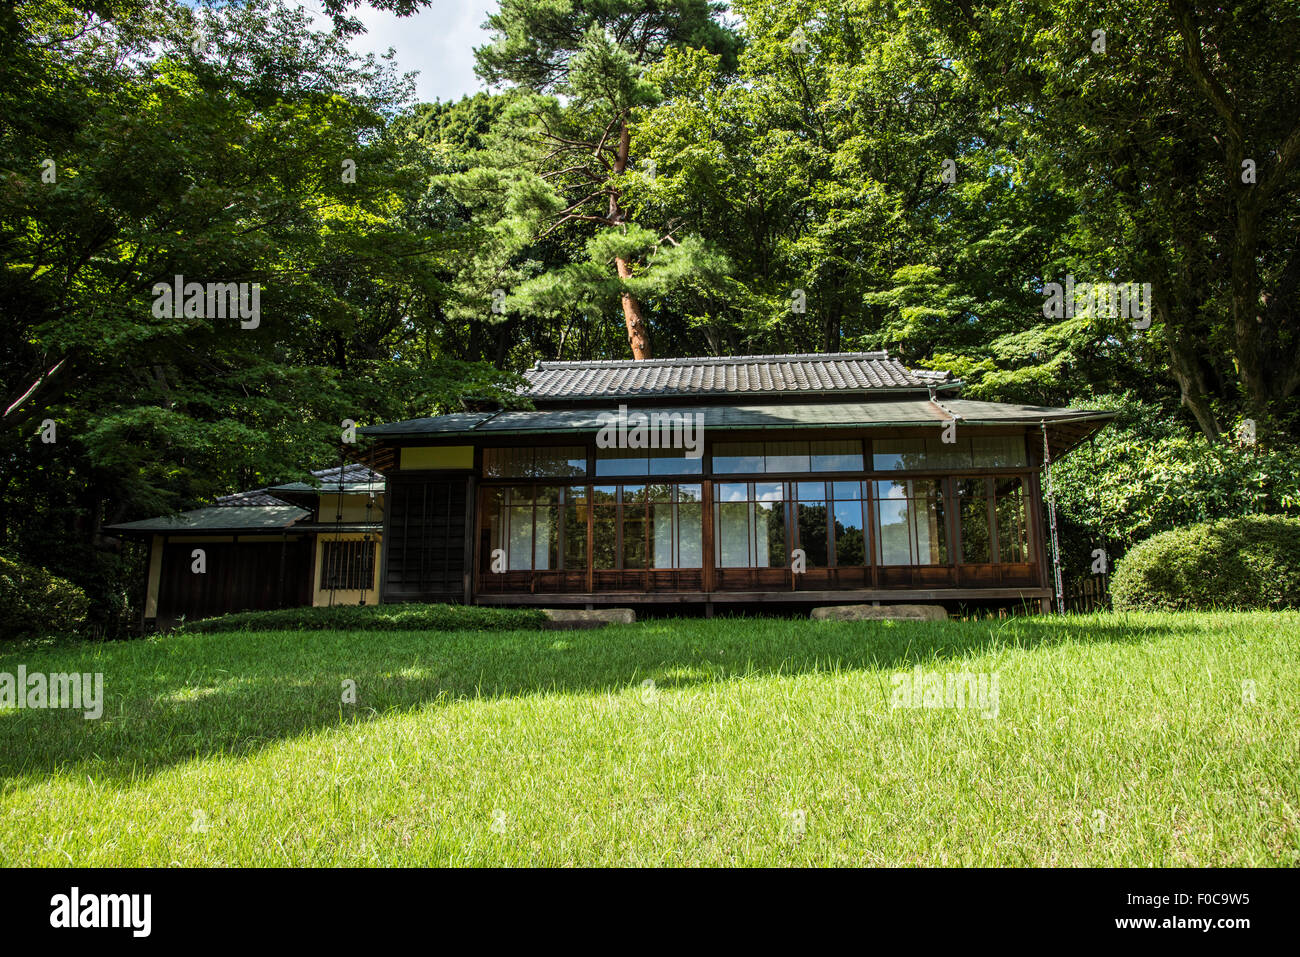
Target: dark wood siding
[(240, 576), (425, 538)]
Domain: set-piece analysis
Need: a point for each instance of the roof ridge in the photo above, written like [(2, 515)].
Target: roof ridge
[(710, 360)]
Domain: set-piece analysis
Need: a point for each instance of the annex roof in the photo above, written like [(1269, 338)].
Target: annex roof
[(219, 518), (354, 477)]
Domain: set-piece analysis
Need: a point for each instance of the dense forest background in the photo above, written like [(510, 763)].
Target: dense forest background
[(639, 178)]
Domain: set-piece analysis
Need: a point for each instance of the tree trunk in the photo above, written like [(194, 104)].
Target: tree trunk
[(637, 334), (1185, 366)]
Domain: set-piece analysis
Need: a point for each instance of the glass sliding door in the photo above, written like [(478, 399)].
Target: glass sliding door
[(527, 530), (750, 535), (910, 522)]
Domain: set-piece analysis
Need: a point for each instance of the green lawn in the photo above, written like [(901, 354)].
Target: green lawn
[(1119, 740)]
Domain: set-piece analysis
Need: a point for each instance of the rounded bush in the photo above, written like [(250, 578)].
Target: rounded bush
[(35, 604), (1250, 562)]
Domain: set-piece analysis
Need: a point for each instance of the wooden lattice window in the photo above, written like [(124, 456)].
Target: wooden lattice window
[(348, 565)]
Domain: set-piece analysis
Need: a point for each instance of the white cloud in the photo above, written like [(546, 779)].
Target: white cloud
[(438, 41)]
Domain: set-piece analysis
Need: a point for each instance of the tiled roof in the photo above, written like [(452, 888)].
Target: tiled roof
[(257, 496), (840, 372), (355, 478), (228, 518), (1066, 426)]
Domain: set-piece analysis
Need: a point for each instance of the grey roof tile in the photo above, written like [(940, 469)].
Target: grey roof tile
[(841, 372), (355, 478), (226, 518)]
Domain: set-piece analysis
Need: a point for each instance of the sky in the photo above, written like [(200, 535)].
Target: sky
[(438, 42)]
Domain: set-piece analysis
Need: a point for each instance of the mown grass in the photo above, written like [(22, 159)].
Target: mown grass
[(1119, 740)]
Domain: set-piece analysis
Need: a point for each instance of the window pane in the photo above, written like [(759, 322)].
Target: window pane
[(973, 507), (546, 494), (837, 456), (732, 492), (661, 536), (769, 534), (787, 457), (768, 492), (604, 536), (507, 463), (845, 491), (690, 535), (530, 462), (634, 550), (546, 539), (850, 537), (690, 493), (520, 554), (890, 454), (948, 455), (811, 517), (575, 536), (661, 493), (893, 528), (521, 495), (1013, 529), (634, 494), (910, 523), (732, 521), (999, 451), (674, 462), (930, 531), (622, 462), (738, 457), (559, 462), (811, 490)]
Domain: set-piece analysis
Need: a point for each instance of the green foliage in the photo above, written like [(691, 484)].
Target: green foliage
[(1149, 472), (399, 617), (130, 155), (1240, 563), (36, 604)]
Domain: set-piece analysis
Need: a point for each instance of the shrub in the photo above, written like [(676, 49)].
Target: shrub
[(36, 604), (1149, 472), (1251, 562), (402, 617)]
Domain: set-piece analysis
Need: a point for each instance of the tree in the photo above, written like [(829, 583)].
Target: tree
[(1175, 125), (592, 55), (234, 146)]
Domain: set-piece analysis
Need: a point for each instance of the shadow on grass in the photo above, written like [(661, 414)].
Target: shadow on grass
[(184, 697)]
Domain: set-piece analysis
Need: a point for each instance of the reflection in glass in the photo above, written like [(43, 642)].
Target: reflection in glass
[(910, 523), (786, 457), (973, 509), (1013, 529), (891, 454), (850, 537), (811, 518), (999, 451), (740, 457), (837, 456)]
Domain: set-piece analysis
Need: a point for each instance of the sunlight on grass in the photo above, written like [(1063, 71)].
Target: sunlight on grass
[(1138, 739)]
